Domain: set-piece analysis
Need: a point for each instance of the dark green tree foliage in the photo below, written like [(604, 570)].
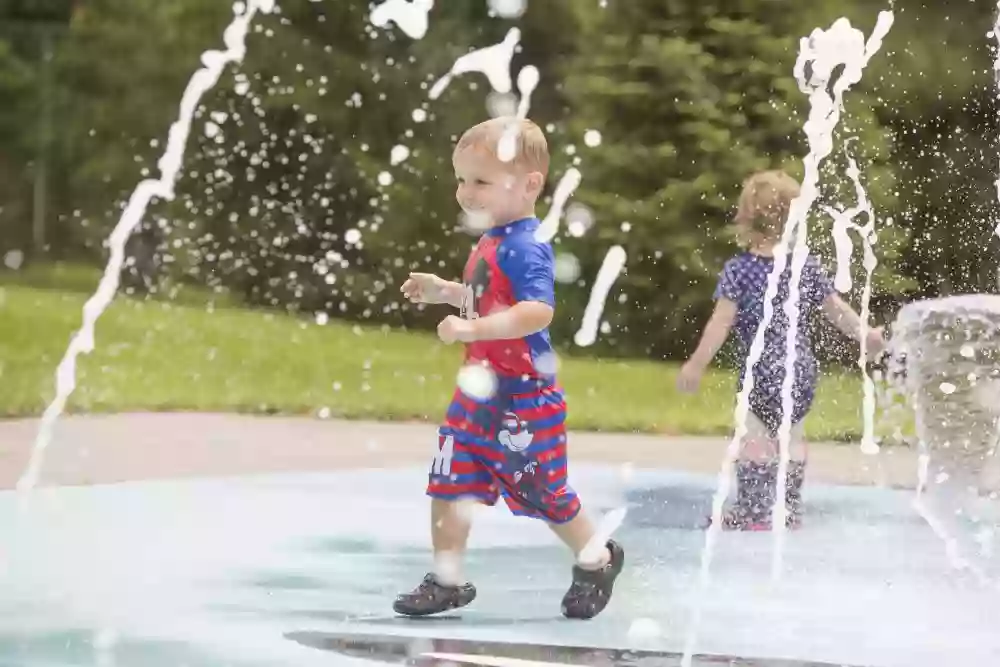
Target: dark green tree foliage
[(938, 93), (292, 191), (691, 98), (27, 29), (15, 147), (288, 197)]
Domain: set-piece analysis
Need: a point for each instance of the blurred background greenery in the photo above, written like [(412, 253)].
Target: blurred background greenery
[(289, 201)]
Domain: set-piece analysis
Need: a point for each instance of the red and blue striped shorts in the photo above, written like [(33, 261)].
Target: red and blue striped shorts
[(512, 444)]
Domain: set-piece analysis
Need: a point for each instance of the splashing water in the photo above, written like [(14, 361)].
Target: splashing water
[(609, 523), (842, 222), (823, 51), (945, 354), (201, 82), (996, 76), (841, 45), (409, 15), (614, 262), (477, 381), (527, 81), (951, 548), (508, 9), (399, 154), (13, 259), (568, 184), (492, 61)]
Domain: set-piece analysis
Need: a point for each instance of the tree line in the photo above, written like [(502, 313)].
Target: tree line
[(318, 172)]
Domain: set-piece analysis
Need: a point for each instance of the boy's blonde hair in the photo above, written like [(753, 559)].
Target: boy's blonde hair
[(765, 202), (531, 148)]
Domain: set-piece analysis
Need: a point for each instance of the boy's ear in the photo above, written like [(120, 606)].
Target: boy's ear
[(535, 183)]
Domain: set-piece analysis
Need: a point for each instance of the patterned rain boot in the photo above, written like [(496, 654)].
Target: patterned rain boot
[(754, 497), (793, 493), (760, 481)]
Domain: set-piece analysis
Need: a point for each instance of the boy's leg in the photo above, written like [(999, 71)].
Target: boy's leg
[(531, 438), (456, 481), (578, 534), (450, 526)]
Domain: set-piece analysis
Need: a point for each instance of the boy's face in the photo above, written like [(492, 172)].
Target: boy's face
[(491, 190)]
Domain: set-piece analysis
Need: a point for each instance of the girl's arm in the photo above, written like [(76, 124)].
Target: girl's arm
[(715, 334)]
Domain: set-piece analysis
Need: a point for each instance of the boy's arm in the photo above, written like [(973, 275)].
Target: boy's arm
[(452, 293), (429, 288), (716, 332), (522, 319), (530, 267)]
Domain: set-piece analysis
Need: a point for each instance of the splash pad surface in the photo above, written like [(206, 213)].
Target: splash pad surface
[(279, 568)]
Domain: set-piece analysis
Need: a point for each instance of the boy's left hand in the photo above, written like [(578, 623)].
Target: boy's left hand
[(455, 329)]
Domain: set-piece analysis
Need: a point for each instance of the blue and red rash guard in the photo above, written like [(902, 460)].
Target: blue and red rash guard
[(508, 266)]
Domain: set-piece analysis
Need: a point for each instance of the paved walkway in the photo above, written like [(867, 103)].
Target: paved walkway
[(110, 448)]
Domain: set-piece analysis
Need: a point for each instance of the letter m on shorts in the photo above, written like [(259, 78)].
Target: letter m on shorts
[(441, 465)]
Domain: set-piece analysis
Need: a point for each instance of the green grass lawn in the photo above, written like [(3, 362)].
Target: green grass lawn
[(153, 355)]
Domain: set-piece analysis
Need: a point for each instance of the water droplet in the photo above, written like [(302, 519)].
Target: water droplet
[(967, 351), (500, 105), (105, 640), (385, 179), (211, 130), (567, 268), (322, 318), (419, 115), (948, 388), (466, 509), (399, 154), (644, 629), (592, 138), (448, 568), (337, 386), (547, 363), (579, 219), (410, 16), (477, 381), (13, 259), (475, 221), (613, 264), (508, 9), (324, 413), (352, 236)]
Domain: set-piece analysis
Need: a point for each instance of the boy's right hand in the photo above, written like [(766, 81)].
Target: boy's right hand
[(424, 288)]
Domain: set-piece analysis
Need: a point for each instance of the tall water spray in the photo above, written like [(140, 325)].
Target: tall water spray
[(213, 64), (820, 55), (945, 360)]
